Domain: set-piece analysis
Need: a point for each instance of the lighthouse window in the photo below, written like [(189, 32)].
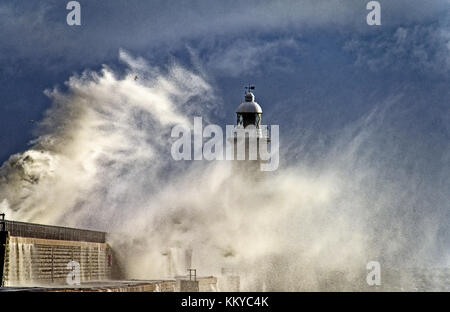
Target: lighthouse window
[(240, 120), (258, 119)]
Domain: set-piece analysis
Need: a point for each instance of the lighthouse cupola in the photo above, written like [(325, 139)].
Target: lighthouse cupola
[(249, 112)]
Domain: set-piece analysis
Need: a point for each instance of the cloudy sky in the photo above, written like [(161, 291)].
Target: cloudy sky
[(314, 61), (378, 95)]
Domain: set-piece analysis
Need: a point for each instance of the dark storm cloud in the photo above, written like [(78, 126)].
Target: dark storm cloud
[(423, 48), (281, 45), (37, 31)]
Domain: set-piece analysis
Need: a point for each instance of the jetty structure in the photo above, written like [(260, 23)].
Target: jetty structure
[(37, 257), (36, 254)]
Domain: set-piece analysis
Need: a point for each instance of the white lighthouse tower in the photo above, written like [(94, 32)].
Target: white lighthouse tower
[(250, 136)]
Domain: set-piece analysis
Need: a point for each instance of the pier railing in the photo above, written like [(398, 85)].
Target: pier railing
[(24, 229)]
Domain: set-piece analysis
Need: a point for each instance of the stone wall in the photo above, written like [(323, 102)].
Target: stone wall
[(37, 262)]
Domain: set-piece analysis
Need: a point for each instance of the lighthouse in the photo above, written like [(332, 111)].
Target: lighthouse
[(251, 138), (249, 112)]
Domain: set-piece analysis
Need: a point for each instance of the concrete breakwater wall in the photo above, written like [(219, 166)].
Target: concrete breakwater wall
[(25, 229), (205, 284), (35, 261), (38, 255)]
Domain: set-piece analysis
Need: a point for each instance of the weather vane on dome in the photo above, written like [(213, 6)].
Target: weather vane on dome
[(249, 88)]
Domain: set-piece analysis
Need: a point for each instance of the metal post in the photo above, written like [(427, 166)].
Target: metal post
[(2, 222), (3, 242), (190, 274), (52, 276)]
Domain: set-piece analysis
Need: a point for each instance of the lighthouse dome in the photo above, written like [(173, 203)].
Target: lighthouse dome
[(249, 105)]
